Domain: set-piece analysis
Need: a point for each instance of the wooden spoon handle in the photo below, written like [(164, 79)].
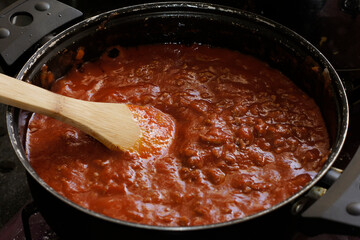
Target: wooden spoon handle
[(28, 97)]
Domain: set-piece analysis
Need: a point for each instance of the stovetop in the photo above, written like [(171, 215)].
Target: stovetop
[(333, 26)]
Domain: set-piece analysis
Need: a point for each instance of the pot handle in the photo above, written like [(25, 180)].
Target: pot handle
[(26, 22), (341, 202)]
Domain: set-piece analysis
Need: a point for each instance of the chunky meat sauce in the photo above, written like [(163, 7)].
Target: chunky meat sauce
[(246, 137)]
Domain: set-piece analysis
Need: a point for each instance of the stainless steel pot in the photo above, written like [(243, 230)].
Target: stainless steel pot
[(184, 23)]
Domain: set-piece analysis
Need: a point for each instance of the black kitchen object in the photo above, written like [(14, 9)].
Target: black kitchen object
[(26, 22)]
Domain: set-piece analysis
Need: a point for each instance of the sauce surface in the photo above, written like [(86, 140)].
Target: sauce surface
[(246, 137)]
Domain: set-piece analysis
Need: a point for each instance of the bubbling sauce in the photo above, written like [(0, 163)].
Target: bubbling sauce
[(246, 137)]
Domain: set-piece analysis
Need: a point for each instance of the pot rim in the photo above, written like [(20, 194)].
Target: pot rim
[(195, 7)]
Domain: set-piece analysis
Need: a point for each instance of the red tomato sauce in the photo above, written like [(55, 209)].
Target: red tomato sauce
[(245, 138)]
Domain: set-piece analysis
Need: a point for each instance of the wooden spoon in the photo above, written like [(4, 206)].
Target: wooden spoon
[(112, 124)]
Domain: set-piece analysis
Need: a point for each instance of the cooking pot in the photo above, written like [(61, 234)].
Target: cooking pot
[(185, 23)]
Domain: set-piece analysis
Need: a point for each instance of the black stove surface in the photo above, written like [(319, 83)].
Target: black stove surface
[(331, 25)]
